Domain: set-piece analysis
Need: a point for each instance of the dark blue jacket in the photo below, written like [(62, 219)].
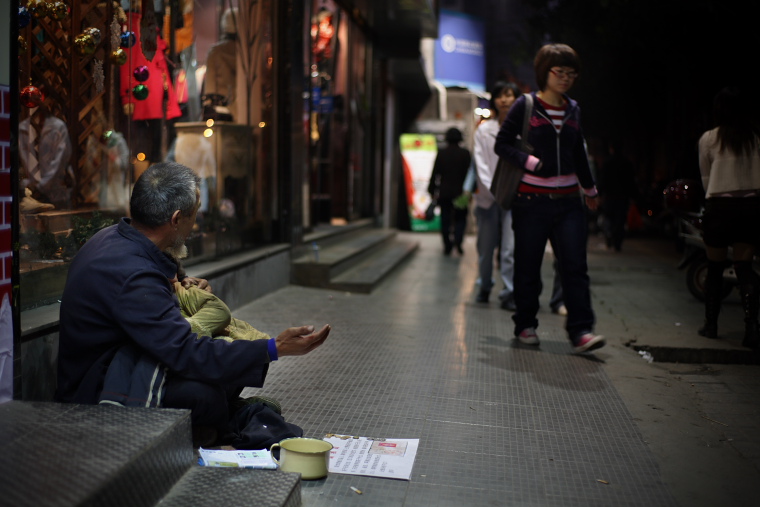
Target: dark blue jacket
[(118, 293), (560, 153)]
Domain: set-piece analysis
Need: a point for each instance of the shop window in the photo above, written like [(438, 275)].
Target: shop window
[(108, 88)]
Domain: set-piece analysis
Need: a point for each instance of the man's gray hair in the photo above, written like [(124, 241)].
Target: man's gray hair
[(161, 190)]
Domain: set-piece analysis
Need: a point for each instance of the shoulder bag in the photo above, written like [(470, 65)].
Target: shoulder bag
[(506, 178)]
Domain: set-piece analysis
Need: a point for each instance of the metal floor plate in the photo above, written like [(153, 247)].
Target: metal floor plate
[(498, 424)]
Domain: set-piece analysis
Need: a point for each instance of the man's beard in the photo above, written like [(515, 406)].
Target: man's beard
[(178, 250)]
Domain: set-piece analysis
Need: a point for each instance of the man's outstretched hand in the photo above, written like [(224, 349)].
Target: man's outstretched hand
[(297, 341)]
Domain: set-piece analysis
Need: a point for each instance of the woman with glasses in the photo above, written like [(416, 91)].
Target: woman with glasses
[(550, 201), (729, 160)]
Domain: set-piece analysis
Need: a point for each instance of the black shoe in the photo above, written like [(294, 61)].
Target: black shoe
[(709, 330), (204, 436), (459, 249), (269, 402), (508, 305), (482, 296)]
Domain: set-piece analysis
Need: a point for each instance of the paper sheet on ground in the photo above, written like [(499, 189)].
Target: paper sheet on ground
[(375, 457), (259, 460)]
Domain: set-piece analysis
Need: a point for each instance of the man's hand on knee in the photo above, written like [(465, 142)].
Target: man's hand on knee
[(297, 341), (190, 281)]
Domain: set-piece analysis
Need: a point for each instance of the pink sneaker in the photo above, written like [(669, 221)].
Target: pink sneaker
[(588, 342), (528, 336)]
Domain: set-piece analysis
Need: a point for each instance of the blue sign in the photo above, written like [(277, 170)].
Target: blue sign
[(460, 58)]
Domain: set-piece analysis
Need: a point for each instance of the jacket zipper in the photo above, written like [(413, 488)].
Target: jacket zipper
[(564, 119)]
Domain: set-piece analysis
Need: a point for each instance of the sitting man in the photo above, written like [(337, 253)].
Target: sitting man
[(123, 339)]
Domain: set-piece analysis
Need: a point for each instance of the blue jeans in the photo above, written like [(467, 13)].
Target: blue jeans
[(494, 225), (537, 218)]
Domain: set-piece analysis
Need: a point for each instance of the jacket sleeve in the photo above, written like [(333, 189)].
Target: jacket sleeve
[(434, 183), (148, 312), (508, 133), (705, 159), (583, 168)]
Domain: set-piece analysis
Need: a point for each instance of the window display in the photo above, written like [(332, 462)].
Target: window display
[(104, 86)]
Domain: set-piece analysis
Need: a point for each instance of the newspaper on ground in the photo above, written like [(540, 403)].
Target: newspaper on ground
[(375, 457), (258, 460)]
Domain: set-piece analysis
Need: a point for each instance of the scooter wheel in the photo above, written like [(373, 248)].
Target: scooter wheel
[(695, 280)]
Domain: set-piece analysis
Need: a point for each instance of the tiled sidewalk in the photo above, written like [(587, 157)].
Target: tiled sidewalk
[(498, 424)]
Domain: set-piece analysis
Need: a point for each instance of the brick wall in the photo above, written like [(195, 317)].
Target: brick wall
[(5, 192)]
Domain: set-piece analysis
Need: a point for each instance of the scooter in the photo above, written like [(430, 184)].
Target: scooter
[(685, 199), (694, 259)]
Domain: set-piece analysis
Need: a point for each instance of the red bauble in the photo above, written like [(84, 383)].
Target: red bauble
[(31, 96)]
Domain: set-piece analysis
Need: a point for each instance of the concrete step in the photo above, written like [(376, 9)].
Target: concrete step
[(367, 274), (354, 261), (234, 487), (54, 454)]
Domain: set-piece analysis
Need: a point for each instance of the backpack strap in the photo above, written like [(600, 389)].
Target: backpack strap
[(526, 123)]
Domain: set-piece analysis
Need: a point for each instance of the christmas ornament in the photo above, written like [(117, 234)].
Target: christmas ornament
[(128, 40), (95, 33), (31, 96), (85, 44), (59, 10), (140, 92), (24, 18), (119, 56), (40, 8), (21, 46), (141, 73)]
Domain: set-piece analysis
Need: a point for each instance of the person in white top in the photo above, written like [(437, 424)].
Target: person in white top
[(494, 224), (729, 161)]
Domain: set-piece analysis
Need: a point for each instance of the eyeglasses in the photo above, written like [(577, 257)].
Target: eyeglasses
[(560, 73)]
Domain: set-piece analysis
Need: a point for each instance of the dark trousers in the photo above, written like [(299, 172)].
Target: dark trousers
[(209, 403), (451, 214), (536, 219), (616, 211)]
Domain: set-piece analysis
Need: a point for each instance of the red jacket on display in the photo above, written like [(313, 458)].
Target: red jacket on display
[(152, 107)]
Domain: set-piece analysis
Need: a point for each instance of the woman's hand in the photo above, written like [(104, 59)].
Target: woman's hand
[(592, 202)]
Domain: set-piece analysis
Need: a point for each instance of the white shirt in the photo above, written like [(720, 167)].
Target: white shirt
[(726, 173), (486, 161)]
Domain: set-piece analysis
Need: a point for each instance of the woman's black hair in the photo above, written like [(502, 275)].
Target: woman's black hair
[(499, 88), (737, 125), (453, 136)]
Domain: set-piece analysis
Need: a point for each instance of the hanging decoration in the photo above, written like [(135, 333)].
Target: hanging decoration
[(40, 8), (119, 56), (95, 33), (115, 32), (31, 96), (141, 73), (98, 77), (85, 44), (127, 40), (140, 92), (59, 10), (148, 30), (24, 18)]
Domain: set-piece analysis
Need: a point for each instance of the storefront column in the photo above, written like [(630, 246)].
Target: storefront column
[(290, 171)]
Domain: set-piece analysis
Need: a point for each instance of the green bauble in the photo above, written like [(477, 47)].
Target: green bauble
[(140, 92)]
